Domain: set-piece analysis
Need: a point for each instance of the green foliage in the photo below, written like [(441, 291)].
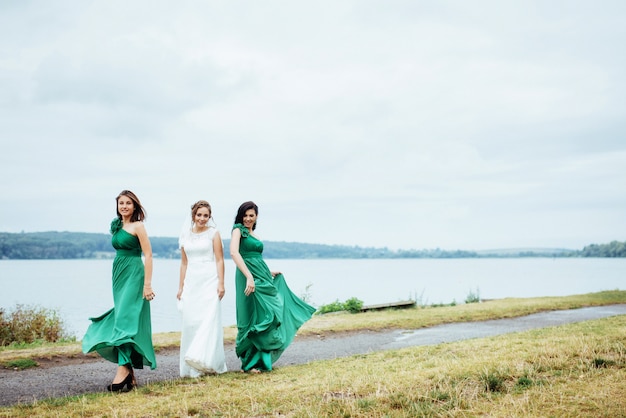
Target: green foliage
[(352, 305), (599, 363), (612, 249), (335, 306), (524, 382), (30, 324), (493, 381), (52, 245), (473, 297), (21, 364), (70, 245)]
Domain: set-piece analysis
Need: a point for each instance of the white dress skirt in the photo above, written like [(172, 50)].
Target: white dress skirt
[(202, 334)]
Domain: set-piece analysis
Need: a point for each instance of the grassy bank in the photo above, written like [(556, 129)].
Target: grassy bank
[(419, 317), (573, 370)]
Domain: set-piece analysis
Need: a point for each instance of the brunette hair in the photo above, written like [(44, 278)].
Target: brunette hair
[(199, 204), (245, 206), (139, 213)]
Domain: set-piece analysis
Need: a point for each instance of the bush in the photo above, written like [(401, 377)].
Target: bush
[(5, 330), (335, 306), (25, 325), (352, 305), (473, 297)]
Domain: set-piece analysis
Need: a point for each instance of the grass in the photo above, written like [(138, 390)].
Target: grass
[(572, 370), (420, 317), (20, 364)]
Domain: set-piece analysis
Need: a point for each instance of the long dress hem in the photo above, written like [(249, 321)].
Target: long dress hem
[(202, 334), (123, 334), (269, 318)]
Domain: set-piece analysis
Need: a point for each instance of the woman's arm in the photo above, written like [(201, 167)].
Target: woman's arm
[(218, 250), (238, 259), (183, 272), (146, 248)]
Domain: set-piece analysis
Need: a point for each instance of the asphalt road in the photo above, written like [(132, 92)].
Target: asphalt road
[(66, 377)]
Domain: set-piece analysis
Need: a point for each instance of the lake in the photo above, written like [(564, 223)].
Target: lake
[(79, 289)]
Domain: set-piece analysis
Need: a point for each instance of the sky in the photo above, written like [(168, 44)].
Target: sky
[(399, 124)]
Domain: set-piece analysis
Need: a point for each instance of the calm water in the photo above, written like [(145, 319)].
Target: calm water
[(79, 289)]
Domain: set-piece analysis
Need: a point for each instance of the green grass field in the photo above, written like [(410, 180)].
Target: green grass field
[(567, 371)]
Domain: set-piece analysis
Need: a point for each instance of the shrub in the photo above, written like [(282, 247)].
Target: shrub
[(25, 325), (473, 297), (335, 306), (352, 305), (5, 330)]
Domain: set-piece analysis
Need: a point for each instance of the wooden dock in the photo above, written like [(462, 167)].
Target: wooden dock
[(393, 305)]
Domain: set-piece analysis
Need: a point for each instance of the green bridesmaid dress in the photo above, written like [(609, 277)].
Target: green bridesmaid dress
[(123, 335), (267, 319)]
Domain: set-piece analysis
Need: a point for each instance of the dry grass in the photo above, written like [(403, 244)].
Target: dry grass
[(388, 319), (569, 371)]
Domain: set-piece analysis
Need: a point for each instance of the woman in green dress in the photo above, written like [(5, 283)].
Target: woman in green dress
[(268, 313), (123, 335)]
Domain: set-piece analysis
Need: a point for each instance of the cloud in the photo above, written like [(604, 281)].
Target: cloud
[(406, 125)]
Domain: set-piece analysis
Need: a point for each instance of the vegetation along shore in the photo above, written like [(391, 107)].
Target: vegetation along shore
[(80, 245), (571, 370)]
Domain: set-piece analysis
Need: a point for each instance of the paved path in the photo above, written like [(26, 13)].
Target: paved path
[(93, 375)]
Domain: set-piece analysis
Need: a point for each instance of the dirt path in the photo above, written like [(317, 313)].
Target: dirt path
[(58, 377)]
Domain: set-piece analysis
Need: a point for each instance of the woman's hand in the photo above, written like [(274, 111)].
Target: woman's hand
[(249, 286), (275, 273), (148, 293), (220, 291), (179, 294)]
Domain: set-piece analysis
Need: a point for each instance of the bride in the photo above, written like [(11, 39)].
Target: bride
[(200, 292)]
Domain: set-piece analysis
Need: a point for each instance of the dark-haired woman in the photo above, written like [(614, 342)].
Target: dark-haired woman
[(123, 335), (268, 313)]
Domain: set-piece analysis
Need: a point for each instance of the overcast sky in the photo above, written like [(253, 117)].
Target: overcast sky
[(402, 124)]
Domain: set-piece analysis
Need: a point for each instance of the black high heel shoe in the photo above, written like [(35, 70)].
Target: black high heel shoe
[(133, 381), (118, 387)]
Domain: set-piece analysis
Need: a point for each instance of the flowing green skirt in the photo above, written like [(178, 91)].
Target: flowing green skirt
[(268, 319), (123, 335)]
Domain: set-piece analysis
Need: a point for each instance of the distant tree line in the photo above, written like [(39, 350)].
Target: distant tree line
[(72, 245), (66, 245), (612, 249)]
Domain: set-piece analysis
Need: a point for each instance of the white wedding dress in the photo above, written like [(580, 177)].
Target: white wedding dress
[(202, 334)]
